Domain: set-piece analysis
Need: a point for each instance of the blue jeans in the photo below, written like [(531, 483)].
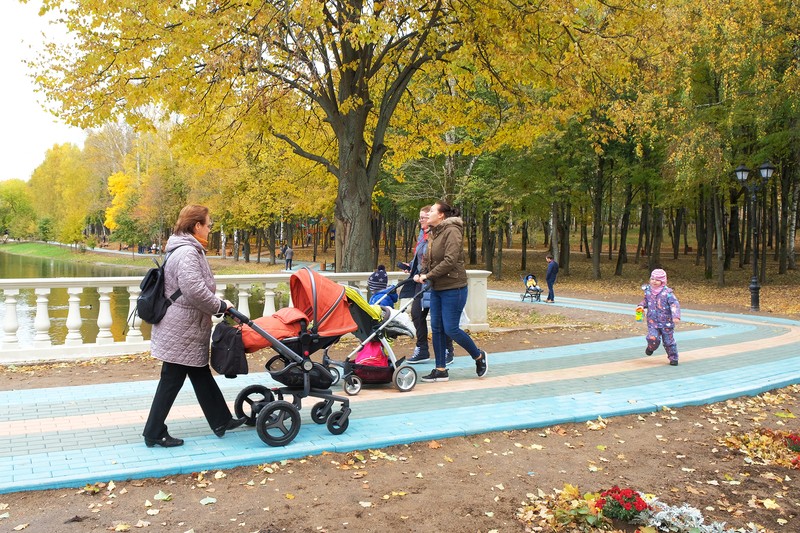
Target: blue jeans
[(445, 313), (550, 295)]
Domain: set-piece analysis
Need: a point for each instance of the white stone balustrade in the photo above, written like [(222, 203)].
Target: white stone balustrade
[(40, 346)]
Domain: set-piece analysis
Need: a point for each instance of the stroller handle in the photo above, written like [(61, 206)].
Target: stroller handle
[(401, 283), (235, 313)]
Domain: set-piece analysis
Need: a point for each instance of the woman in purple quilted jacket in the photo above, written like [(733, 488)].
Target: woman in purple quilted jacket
[(663, 312), (181, 340)]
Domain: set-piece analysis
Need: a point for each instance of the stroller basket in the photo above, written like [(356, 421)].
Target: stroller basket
[(373, 374), (292, 375)]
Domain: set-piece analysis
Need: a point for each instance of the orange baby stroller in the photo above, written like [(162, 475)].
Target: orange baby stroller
[(320, 317)]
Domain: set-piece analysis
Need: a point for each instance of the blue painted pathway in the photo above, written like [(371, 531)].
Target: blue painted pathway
[(70, 436)]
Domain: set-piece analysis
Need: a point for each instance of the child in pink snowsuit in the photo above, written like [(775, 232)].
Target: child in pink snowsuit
[(663, 312)]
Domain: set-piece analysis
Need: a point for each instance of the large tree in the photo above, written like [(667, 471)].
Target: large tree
[(337, 67)]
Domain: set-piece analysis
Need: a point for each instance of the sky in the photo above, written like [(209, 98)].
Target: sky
[(27, 131)]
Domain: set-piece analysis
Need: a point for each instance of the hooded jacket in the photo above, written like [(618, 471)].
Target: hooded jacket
[(183, 335), (444, 264)]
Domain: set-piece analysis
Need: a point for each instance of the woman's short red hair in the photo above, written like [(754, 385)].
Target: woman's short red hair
[(189, 216)]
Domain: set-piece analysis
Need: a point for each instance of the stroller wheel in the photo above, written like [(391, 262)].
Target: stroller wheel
[(338, 422), (352, 385), (321, 411), (278, 423), (254, 397), (297, 400), (404, 378), (335, 373)]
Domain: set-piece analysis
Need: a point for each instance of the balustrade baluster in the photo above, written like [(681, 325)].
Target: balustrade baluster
[(74, 316), (41, 324), (104, 317), (269, 300), (10, 324), (134, 322), (243, 303)]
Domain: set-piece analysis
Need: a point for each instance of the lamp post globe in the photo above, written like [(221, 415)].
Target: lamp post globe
[(766, 171)]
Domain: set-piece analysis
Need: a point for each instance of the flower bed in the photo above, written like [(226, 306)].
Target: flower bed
[(569, 510)]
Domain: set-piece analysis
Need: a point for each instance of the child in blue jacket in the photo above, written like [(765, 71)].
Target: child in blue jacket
[(663, 312)]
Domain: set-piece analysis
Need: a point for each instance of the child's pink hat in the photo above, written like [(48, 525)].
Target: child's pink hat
[(660, 275)]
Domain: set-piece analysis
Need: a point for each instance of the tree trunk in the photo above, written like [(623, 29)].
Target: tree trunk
[(223, 242), (562, 239), (554, 225), (272, 237), (654, 254), (597, 216), (676, 232), (783, 241), (524, 262), (488, 242), (498, 269), (793, 227), (700, 228), (353, 205), (473, 237), (622, 256), (585, 239), (546, 234), (719, 226), (732, 242), (391, 237), (610, 217), (316, 240), (644, 223), (376, 224), (709, 236), (246, 245)]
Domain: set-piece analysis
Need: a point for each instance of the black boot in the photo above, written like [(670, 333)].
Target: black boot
[(233, 423), (165, 442)]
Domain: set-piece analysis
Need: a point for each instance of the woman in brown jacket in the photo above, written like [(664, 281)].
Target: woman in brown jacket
[(181, 339), (444, 270)]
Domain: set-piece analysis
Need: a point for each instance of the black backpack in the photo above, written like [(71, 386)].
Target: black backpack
[(153, 303), (227, 351)]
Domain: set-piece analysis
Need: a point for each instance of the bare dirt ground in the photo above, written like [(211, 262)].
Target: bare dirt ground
[(476, 483)]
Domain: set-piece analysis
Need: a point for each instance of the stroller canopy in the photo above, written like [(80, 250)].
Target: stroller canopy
[(322, 301)]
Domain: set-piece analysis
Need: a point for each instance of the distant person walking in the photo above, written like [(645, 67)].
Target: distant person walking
[(663, 312), (444, 269), (288, 255), (550, 277)]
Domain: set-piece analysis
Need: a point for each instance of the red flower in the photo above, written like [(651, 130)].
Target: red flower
[(622, 504)]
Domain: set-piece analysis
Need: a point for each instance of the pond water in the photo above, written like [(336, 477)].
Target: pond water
[(19, 266)]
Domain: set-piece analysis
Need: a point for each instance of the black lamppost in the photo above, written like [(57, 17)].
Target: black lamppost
[(753, 187)]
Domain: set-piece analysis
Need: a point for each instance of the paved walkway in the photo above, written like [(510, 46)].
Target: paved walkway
[(69, 436)]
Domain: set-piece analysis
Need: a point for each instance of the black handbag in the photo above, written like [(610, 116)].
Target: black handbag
[(227, 351)]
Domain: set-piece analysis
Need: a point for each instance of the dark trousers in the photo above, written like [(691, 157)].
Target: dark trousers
[(210, 398), (550, 295), (419, 316)]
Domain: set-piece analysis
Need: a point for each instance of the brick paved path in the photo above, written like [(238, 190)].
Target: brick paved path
[(69, 436)]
